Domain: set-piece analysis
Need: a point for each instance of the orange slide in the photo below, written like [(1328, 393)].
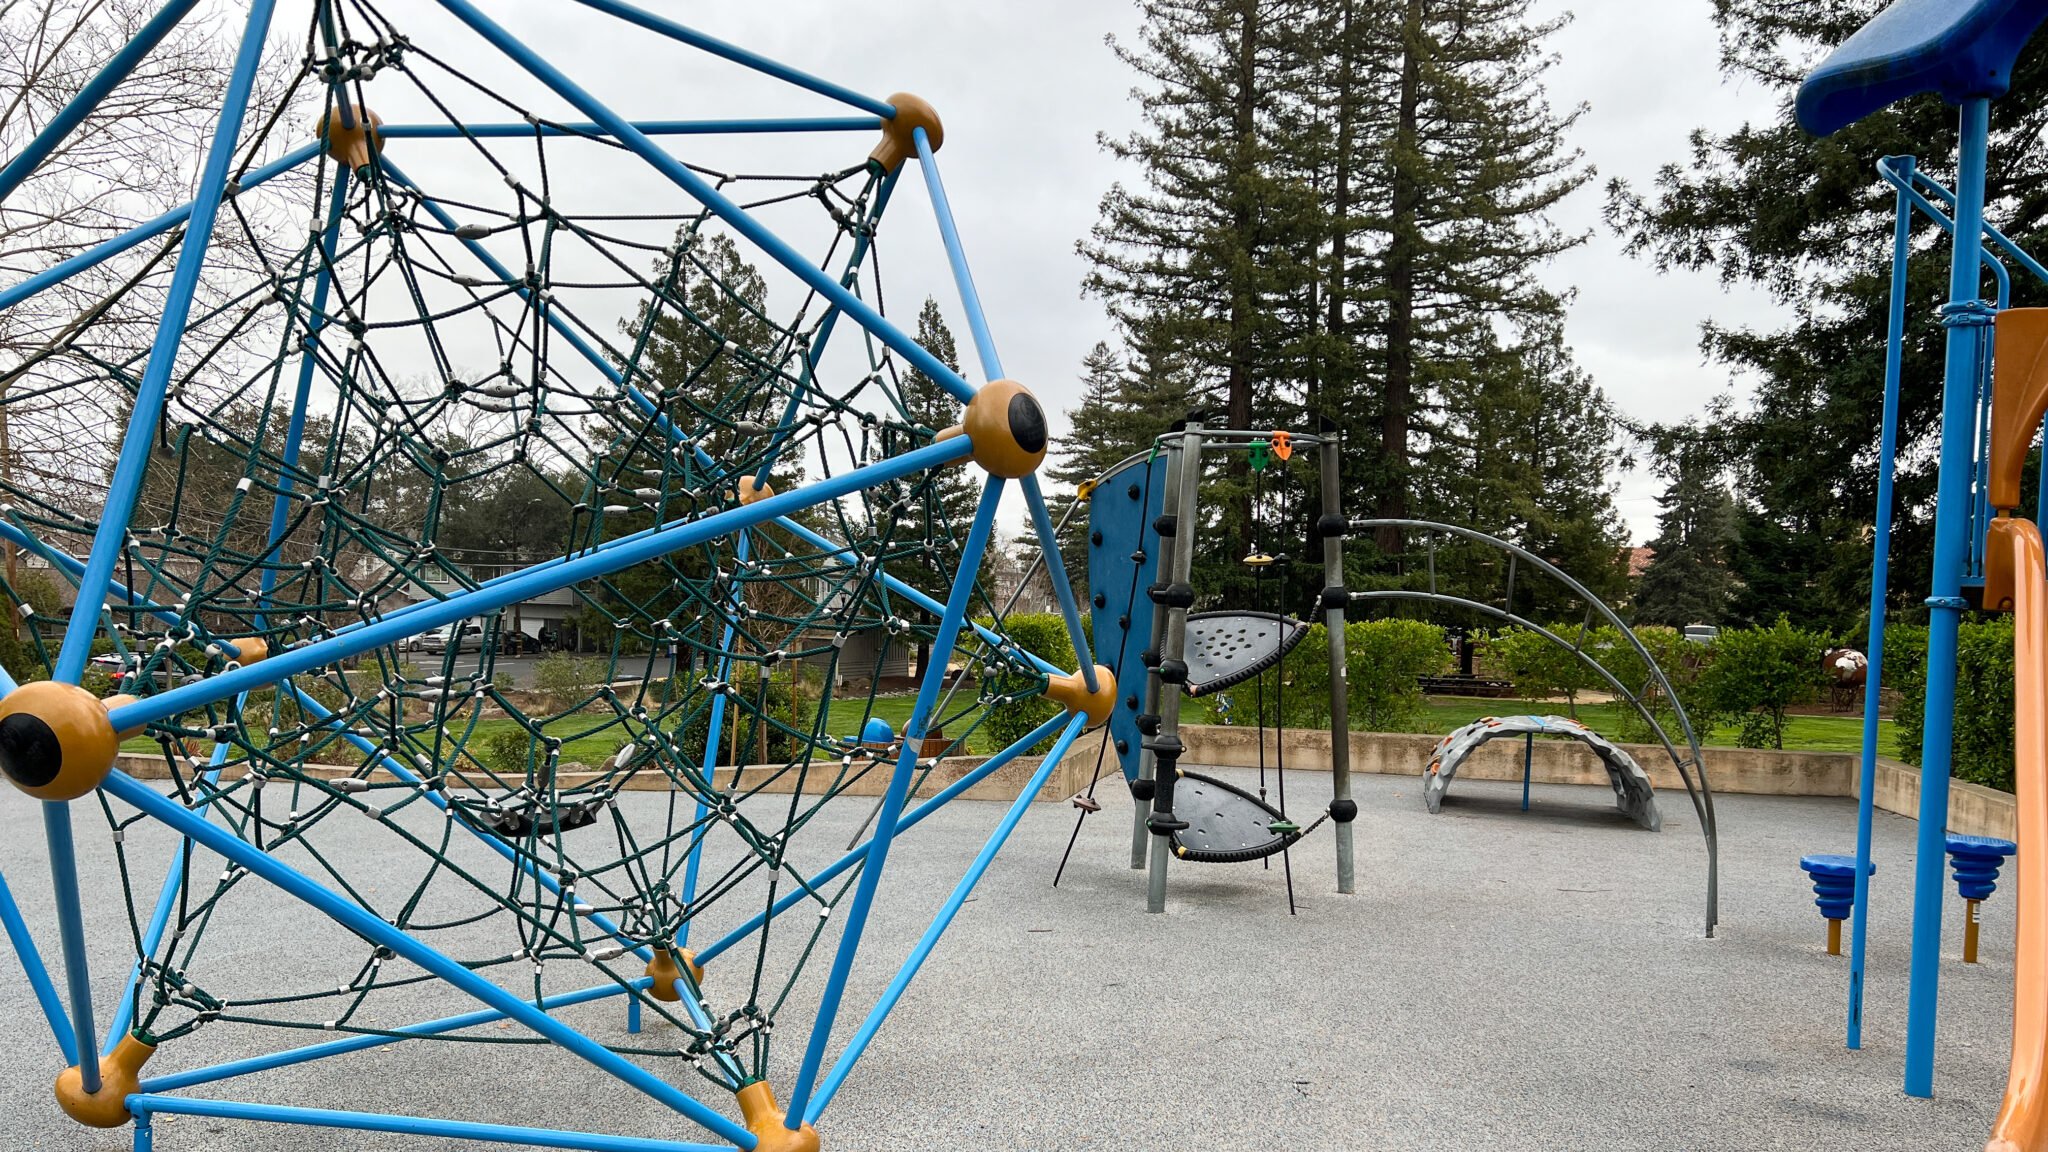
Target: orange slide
[(2015, 579), (2022, 1124)]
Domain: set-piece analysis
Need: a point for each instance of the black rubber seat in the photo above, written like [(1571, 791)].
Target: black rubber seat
[(1226, 648)]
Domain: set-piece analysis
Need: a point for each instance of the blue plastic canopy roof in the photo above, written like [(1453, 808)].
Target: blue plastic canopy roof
[(1959, 48)]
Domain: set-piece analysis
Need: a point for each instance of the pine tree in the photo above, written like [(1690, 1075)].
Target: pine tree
[(1101, 431), (946, 505), (1523, 452), (1123, 411), (1475, 158), (1808, 220), (1689, 580), (938, 507), (1214, 255)]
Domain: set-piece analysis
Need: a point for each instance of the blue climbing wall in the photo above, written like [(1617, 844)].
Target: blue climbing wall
[(1123, 561)]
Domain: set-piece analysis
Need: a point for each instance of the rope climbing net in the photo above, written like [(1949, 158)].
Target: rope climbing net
[(430, 405)]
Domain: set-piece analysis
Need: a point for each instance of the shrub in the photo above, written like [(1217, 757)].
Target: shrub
[(1683, 663), (1043, 634), (1757, 673), (744, 731), (507, 752), (1383, 662), (566, 680), (1383, 665), (1984, 698), (1543, 669)]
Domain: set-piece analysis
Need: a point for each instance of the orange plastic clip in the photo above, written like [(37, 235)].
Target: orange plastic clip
[(1283, 444)]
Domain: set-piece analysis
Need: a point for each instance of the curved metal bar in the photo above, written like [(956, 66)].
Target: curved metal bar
[(1703, 799)]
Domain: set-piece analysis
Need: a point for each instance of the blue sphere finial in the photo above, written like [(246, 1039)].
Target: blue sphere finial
[(877, 731)]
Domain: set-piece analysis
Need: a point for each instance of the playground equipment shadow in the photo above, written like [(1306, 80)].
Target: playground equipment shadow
[(1501, 980)]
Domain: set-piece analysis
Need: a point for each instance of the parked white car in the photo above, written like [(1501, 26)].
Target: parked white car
[(468, 636)]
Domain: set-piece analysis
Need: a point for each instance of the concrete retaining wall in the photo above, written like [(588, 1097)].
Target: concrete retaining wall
[(1070, 777), (1972, 808)]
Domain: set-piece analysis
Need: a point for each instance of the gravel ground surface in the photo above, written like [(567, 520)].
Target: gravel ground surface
[(1501, 980)]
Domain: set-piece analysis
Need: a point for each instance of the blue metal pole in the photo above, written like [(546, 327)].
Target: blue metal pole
[(310, 1052), (899, 789), (528, 583), (71, 936), (280, 508), (949, 235), (376, 930), (1965, 316), (1880, 583), (63, 270), (523, 130), (702, 191), (1056, 572), (38, 975), (110, 76), (940, 922), (713, 734), (910, 820), (1998, 239), (159, 917), (826, 323), (163, 357), (741, 56), (143, 1103), (2041, 481)]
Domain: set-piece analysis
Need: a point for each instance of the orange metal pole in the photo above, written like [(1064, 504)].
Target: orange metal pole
[(2022, 1124)]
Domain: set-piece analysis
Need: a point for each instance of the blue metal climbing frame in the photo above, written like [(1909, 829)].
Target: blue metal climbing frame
[(95, 577)]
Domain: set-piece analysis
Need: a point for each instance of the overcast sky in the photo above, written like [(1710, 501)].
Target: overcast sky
[(1025, 88)]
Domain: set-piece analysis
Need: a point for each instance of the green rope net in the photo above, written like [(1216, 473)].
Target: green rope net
[(457, 360)]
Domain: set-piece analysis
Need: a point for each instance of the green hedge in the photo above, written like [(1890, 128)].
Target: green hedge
[(1984, 697), (1383, 660), (1541, 668), (1043, 634), (1757, 673)]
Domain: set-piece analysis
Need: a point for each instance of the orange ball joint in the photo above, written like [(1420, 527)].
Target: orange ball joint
[(1071, 692), (667, 967), (352, 138), (1007, 428), (120, 1074), (899, 142), (767, 1122), (56, 742)]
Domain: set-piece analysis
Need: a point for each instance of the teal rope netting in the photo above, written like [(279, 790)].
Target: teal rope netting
[(660, 418)]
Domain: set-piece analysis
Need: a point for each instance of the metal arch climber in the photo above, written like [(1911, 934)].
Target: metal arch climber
[(740, 503), (1632, 791), (1690, 765)]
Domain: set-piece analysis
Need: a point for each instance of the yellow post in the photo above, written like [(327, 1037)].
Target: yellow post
[(1834, 937), (1969, 931)]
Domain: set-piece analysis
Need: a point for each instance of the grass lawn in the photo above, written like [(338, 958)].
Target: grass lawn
[(1804, 733)]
